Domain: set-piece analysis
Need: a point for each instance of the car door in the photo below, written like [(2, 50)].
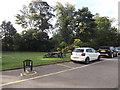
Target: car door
[(94, 54), (90, 53), (113, 50)]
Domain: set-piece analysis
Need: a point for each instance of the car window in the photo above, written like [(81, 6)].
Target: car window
[(94, 51), (88, 50), (112, 48), (78, 50), (118, 48)]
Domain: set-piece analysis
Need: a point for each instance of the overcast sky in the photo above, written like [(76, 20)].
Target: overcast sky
[(9, 8)]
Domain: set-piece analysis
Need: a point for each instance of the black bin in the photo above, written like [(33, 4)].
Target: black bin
[(28, 63)]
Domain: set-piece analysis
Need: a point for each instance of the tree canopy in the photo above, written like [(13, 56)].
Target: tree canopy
[(73, 28), (36, 15), (7, 31), (65, 25)]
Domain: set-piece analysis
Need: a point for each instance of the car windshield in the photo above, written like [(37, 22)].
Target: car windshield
[(118, 48), (78, 50), (104, 48)]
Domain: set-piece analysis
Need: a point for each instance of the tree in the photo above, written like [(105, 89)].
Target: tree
[(85, 25), (36, 16), (32, 40), (8, 31), (28, 41), (65, 15), (78, 42), (63, 44), (106, 34), (118, 39), (17, 41), (103, 23)]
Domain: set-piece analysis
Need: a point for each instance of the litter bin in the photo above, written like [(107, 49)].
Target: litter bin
[(28, 63)]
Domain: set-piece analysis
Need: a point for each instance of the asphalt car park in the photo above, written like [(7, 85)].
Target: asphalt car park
[(97, 74)]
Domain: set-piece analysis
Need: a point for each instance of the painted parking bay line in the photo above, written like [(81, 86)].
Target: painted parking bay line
[(50, 74), (65, 65), (28, 73)]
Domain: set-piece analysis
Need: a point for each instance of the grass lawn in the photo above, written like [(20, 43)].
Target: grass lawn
[(15, 59)]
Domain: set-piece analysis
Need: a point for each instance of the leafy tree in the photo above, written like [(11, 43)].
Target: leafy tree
[(17, 40), (78, 42), (65, 15), (85, 24), (63, 44), (32, 40), (41, 36), (8, 31), (36, 16), (43, 42), (28, 41), (103, 23), (106, 34), (118, 39)]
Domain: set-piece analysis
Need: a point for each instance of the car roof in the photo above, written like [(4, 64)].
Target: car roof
[(106, 46), (117, 47), (84, 48)]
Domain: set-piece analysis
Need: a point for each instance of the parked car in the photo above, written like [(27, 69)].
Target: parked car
[(108, 51), (85, 54), (117, 49)]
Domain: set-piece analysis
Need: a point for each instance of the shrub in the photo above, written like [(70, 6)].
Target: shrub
[(63, 44), (69, 51), (76, 46), (78, 42), (58, 49), (64, 50), (70, 48)]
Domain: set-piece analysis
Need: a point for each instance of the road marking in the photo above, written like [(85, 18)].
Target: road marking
[(65, 65), (112, 59), (27, 73), (50, 74)]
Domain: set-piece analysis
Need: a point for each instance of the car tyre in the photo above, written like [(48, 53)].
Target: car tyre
[(112, 56), (87, 60), (99, 58), (116, 55)]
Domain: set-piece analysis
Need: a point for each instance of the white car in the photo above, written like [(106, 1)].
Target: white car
[(85, 54)]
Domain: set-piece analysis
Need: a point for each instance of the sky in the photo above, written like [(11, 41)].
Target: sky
[(9, 8)]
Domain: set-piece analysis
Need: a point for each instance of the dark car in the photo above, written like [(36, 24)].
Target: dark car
[(108, 51), (117, 49)]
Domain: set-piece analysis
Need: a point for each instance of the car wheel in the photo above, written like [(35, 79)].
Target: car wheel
[(116, 54), (98, 58), (111, 55), (87, 60)]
